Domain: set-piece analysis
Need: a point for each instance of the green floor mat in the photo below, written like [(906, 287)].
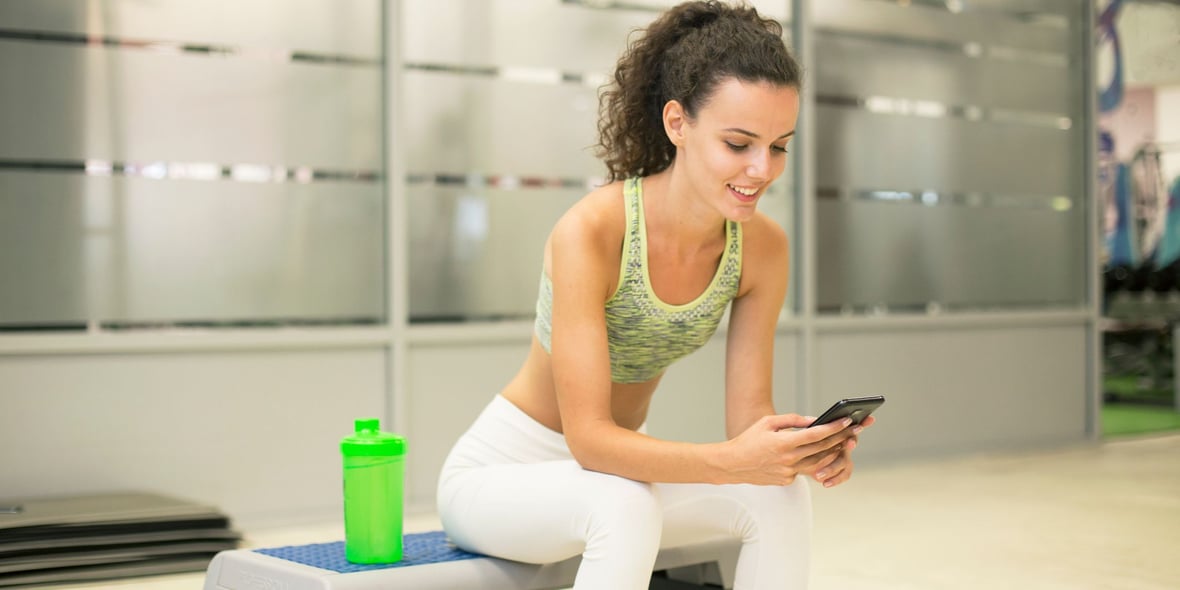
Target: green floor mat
[(1123, 419), (1133, 388)]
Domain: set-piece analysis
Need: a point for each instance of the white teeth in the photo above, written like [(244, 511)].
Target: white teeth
[(749, 192)]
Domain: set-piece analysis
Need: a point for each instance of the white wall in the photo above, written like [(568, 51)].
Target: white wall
[(254, 432)]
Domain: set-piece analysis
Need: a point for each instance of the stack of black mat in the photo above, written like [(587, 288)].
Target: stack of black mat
[(104, 536)]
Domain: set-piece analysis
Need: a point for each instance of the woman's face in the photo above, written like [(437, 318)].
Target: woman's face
[(737, 145)]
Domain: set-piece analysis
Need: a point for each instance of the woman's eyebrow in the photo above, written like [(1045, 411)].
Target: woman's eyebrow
[(755, 135)]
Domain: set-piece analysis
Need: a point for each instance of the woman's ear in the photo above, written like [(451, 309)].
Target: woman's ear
[(675, 121)]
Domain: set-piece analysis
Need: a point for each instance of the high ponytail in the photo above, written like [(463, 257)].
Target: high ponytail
[(682, 56)]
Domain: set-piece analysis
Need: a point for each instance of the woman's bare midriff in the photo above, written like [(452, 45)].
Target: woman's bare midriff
[(533, 392)]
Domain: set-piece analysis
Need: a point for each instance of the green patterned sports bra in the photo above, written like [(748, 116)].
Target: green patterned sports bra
[(644, 333)]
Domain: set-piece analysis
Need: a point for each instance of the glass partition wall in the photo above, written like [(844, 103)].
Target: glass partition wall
[(179, 170)]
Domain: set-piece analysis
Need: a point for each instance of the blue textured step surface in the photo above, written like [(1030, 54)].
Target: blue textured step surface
[(418, 549)]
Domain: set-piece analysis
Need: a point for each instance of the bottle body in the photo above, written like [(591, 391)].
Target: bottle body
[(374, 474), (373, 506)]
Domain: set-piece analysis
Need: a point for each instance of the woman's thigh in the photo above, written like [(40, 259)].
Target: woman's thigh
[(545, 512)]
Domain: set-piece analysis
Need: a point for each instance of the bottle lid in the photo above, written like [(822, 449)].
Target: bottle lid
[(369, 441)]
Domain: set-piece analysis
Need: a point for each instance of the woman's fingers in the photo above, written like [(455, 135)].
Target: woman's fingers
[(822, 461), (836, 473), (836, 469), (785, 421), (832, 437)]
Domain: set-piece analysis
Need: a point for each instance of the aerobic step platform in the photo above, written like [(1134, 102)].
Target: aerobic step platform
[(431, 563)]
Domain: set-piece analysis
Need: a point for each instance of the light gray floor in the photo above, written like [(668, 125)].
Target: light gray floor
[(1099, 517), (1103, 516)]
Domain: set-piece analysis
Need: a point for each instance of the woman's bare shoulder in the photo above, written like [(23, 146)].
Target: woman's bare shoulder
[(599, 215), (765, 255), (764, 236)]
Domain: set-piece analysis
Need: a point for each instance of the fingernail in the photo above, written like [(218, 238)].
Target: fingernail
[(827, 484), (847, 421), (822, 474), (858, 429)]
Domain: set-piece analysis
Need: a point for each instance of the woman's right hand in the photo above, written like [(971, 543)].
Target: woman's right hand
[(776, 449)]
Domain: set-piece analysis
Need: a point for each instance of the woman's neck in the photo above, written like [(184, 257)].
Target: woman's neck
[(679, 217)]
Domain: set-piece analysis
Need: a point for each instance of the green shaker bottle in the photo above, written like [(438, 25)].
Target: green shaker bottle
[(374, 470)]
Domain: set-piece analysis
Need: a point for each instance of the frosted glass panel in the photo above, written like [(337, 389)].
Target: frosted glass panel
[(1025, 24), (132, 105), (477, 253), (946, 74), (859, 149), (460, 123), (574, 36), (178, 162), (341, 27), (77, 248), (950, 155), (904, 257)]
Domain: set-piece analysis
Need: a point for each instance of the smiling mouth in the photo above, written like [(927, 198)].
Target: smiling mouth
[(745, 194)]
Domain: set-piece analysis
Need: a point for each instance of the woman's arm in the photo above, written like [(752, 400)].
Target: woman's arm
[(749, 359), (753, 318)]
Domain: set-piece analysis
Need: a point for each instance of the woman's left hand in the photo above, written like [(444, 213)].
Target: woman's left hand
[(836, 468)]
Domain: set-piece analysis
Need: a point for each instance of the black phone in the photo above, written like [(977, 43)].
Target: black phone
[(857, 408)]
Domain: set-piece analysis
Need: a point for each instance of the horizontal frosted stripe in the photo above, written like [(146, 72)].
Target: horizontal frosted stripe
[(468, 124), (192, 171), (350, 27), (515, 74), (571, 36), (261, 173), (942, 82), (859, 149), (650, 6), (779, 9), (1036, 27), (501, 181), (134, 106), (874, 254), (1025, 12), (970, 49), (934, 198), (218, 51), (911, 107), (80, 249)]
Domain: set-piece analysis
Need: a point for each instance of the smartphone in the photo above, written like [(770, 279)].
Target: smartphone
[(857, 408)]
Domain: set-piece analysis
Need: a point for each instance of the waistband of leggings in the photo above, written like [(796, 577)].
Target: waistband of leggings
[(501, 414)]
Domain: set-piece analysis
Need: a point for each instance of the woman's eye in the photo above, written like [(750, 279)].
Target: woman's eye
[(779, 148), (735, 147)]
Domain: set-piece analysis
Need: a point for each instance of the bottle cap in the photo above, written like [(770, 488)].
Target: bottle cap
[(369, 441)]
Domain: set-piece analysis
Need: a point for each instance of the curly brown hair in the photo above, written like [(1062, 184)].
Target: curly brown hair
[(683, 55)]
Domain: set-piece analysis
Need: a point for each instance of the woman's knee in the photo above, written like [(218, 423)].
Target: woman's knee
[(623, 505), (774, 508), (791, 502)]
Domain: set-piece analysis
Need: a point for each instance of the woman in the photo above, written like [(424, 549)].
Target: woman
[(636, 275)]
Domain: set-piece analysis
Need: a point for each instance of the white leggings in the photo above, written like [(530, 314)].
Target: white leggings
[(510, 488)]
